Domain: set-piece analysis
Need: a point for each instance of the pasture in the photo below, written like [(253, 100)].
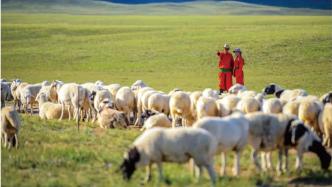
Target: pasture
[(166, 52)]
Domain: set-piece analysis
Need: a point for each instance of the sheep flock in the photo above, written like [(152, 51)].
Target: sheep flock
[(183, 126)]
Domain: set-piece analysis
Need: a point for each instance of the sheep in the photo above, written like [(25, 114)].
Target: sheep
[(49, 110), (159, 103), (237, 88), (96, 98), (282, 94), (5, 93), (15, 89), (229, 102), (231, 133), (158, 120), (326, 124), (139, 102), (247, 93), (206, 106), (260, 98), (125, 101), (28, 96), (208, 92), (291, 108), (10, 124), (326, 98), (92, 87), (272, 105), (110, 118), (72, 94), (179, 104), (268, 132), (194, 96), (248, 105), (113, 89), (159, 145), (309, 110), (138, 85)]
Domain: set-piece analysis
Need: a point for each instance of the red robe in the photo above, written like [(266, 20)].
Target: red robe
[(238, 69), (226, 63)]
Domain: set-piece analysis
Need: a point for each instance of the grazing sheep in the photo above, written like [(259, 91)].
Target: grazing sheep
[(49, 110), (272, 105), (113, 89), (309, 110), (208, 92), (110, 118), (291, 108), (10, 124), (179, 104), (230, 102), (28, 96), (282, 94), (159, 145), (139, 101), (326, 98), (237, 88), (248, 105), (158, 120), (231, 134), (5, 93), (206, 106), (15, 89), (138, 85), (159, 103), (326, 123), (268, 132), (125, 101)]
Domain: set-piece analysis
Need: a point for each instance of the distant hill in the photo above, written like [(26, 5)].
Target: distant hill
[(314, 4), (99, 7)]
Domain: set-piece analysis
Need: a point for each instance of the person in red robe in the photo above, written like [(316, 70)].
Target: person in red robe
[(226, 63), (238, 66)]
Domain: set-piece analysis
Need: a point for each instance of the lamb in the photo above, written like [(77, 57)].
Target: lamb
[(326, 124), (158, 120), (248, 105), (110, 118), (159, 145), (291, 108), (326, 98), (125, 101), (139, 96), (180, 108), (159, 103), (15, 89), (28, 96), (206, 106), (268, 132), (5, 93), (237, 88), (272, 105), (10, 124), (230, 132), (49, 110), (309, 110), (72, 94), (282, 94)]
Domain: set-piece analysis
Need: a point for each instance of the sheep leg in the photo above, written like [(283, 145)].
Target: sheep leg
[(299, 162), (223, 164), (16, 141), (286, 161), (31, 109), (255, 160), (173, 119), (269, 160), (62, 111), (160, 171), (69, 113), (147, 173), (279, 164), (5, 139), (263, 161), (236, 169), (198, 172), (211, 172)]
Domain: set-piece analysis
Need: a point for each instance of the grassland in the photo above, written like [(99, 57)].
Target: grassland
[(165, 52)]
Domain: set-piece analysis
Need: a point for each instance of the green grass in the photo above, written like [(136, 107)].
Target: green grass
[(164, 51)]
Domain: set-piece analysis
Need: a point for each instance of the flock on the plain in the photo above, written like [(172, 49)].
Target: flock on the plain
[(182, 126)]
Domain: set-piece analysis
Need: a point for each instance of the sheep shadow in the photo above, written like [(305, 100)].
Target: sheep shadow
[(313, 178)]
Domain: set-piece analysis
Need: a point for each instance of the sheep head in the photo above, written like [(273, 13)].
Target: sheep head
[(128, 165)]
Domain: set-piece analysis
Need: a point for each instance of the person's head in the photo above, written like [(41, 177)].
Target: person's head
[(237, 51), (226, 47)]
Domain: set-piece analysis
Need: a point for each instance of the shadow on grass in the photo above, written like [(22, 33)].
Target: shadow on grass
[(313, 178)]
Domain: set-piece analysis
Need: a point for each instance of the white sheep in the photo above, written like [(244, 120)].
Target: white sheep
[(231, 133), (113, 89), (139, 96), (291, 108), (180, 108), (237, 88), (138, 85), (157, 120), (28, 96), (272, 105), (16, 88), (194, 96), (309, 110), (208, 92), (282, 94), (125, 101), (97, 98), (326, 98), (247, 93), (10, 124), (268, 132), (49, 110), (159, 145), (248, 105), (159, 103), (325, 119), (110, 118), (229, 102), (206, 106)]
